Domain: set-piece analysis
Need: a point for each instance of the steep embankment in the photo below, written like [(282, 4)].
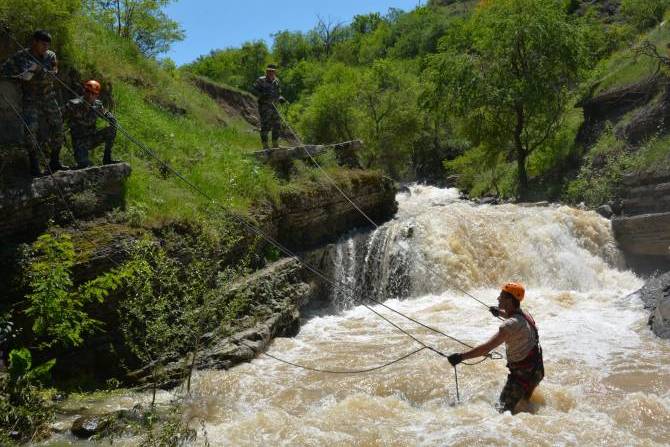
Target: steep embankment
[(205, 136), (627, 131)]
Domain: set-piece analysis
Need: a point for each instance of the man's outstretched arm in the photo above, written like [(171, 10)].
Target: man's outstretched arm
[(480, 350)]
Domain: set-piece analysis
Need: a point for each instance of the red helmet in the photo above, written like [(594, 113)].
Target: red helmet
[(515, 289), (92, 86)]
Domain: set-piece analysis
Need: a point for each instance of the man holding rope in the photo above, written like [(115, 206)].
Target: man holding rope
[(34, 68), (268, 91), (524, 354)]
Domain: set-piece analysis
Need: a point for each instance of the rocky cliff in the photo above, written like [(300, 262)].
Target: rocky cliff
[(28, 205), (304, 220), (642, 229), (656, 297)]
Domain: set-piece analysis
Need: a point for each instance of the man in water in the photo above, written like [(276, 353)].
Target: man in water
[(268, 91), (35, 68), (524, 354)]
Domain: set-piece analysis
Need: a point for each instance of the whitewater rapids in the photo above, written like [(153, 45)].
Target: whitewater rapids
[(607, 376)]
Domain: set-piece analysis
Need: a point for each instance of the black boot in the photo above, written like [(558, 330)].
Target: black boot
[(107, 156), (54, 164), (35, 170)]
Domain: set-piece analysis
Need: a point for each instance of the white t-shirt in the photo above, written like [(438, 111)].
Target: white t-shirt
[(520, 337)]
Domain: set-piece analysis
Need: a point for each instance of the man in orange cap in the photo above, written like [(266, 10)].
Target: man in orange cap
[(522, 342), (82, 115)]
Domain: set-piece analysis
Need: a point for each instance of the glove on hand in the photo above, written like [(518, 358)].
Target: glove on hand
[(494, 311), (455, 359)]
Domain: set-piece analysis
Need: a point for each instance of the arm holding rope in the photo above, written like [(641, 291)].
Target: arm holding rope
[(480, 350)]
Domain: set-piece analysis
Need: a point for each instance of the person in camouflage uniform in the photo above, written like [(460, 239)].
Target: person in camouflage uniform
[(35, 68), (268, 91), (82, 114)]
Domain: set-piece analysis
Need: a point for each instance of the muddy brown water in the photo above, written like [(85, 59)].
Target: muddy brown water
[(607, 376)]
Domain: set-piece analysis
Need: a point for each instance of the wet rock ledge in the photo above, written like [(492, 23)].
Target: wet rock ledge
[(656, 297)]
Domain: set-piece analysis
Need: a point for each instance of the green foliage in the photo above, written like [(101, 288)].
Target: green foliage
[(644, 14), (54, 305), (507, 71), (24, 411), (482, 173), (203, 142), (602, 172), (142, 21), (21, 369), (238, 67), (331, 114), (25, 16), (625, 67), (166, 307)]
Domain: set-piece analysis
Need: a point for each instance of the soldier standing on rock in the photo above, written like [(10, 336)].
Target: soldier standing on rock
[(268, 91), (82, 115), (35, 67)]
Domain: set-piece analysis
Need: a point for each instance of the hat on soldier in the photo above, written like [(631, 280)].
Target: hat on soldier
[(271, 67), (42, 36)]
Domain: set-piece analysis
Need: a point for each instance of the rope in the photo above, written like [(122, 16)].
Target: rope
[(458, 394), (342, 371)]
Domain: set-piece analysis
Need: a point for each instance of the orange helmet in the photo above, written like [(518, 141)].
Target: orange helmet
[(92, 86), (515, 289)]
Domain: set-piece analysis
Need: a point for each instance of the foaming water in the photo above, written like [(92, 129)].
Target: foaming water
[(607, 377)]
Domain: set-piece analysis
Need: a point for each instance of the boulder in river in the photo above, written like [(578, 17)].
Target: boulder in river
[(86, 426), (656, 297)]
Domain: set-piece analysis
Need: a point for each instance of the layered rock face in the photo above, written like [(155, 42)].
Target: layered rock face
[(308, 219), (27, 205), (656, 297), (643, 228)]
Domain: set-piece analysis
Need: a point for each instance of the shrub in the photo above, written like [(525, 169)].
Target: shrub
[(644, 14)]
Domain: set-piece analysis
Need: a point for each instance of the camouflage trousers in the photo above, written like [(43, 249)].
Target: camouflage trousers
[(521, 382), (44, 111), (270, 121), (82, 145)]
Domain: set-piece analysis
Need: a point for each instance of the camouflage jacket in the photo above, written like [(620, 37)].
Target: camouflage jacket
[(267, 91), (36, 82), (82, 116)]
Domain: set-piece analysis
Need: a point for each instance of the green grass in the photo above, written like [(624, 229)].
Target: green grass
[(654, 155), (624, 67), (200, 141)]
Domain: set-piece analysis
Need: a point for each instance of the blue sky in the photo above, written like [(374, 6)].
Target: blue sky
[(212, 24)]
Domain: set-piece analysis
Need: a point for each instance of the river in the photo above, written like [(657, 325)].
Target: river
[(607, 376)]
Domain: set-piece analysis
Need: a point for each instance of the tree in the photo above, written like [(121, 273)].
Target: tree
[(142, 21), (391, 119), (55, 306), (331, 114), (327, 33), (507, 72), (238, 67), (289, 48)]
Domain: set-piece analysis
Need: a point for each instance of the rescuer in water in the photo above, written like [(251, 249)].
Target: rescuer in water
[(524, 354)]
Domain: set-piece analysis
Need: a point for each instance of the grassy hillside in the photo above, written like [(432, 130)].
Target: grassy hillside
[(612, 156), (184, 127)]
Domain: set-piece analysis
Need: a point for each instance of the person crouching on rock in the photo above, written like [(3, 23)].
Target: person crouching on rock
[(82, 114), (522, 342)]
